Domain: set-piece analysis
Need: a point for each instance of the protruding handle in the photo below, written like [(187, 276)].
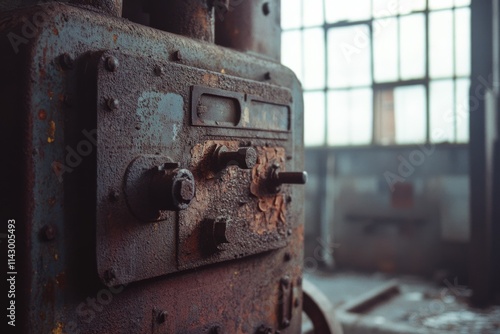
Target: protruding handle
[(278, 178), (244, 157)]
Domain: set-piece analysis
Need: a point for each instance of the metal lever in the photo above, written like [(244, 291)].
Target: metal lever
[(244, 157), (278, 178)]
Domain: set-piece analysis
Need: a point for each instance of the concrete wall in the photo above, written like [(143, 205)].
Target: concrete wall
[(398, 209)]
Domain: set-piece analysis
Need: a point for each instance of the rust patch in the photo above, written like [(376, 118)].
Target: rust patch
[(42, 115), (210, 79), (267, 212), (115, 38), (272, 207), (58, 329), (55, 31), (52, 132)]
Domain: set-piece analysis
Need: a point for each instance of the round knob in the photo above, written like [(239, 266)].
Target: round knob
[(244, 157), (172, 189)]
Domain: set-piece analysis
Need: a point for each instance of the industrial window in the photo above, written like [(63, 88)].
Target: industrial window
[(380, 71)]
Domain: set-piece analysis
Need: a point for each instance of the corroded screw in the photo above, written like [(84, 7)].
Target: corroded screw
[(112, 63)]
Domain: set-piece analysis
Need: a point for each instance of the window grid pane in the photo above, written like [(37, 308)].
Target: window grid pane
[(399, 54)]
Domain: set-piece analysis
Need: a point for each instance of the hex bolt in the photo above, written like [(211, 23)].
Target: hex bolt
[(172, 189), (285, 322), (113, 104), (244, 157), (112, 63), (67, 62), (161, 317), (49, 232), (287, 257)]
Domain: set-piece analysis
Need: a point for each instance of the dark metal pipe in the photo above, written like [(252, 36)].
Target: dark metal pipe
[(191, 18), (249, 26)]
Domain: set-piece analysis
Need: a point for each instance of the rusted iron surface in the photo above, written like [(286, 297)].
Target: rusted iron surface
[(110, 7), (190, 18), (64, 290), (251, 26)]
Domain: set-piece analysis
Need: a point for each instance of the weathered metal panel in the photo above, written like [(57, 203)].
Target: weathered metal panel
[(57, 119)]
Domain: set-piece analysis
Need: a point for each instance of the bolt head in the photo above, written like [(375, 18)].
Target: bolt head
[(112, 63), (250, 156)]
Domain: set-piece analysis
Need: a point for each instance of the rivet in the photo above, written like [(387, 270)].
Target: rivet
[(267, 76), (162, 317), (66, 61), (48, 232), (112, 63), (158, 70), (113, 104), (109, 275), (178, 55), (114, 196)]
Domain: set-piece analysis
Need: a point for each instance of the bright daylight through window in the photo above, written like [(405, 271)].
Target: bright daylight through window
[(380, 71)]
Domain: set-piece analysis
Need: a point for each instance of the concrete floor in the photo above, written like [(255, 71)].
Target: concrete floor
[(404, 305)]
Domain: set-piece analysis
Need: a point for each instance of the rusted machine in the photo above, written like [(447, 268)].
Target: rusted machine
[(149, 170)]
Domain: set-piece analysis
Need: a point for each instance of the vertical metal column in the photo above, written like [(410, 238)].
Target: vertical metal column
[(190, 18), (250, 26)]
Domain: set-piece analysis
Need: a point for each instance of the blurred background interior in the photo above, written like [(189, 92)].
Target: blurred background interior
[(402, 155)]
